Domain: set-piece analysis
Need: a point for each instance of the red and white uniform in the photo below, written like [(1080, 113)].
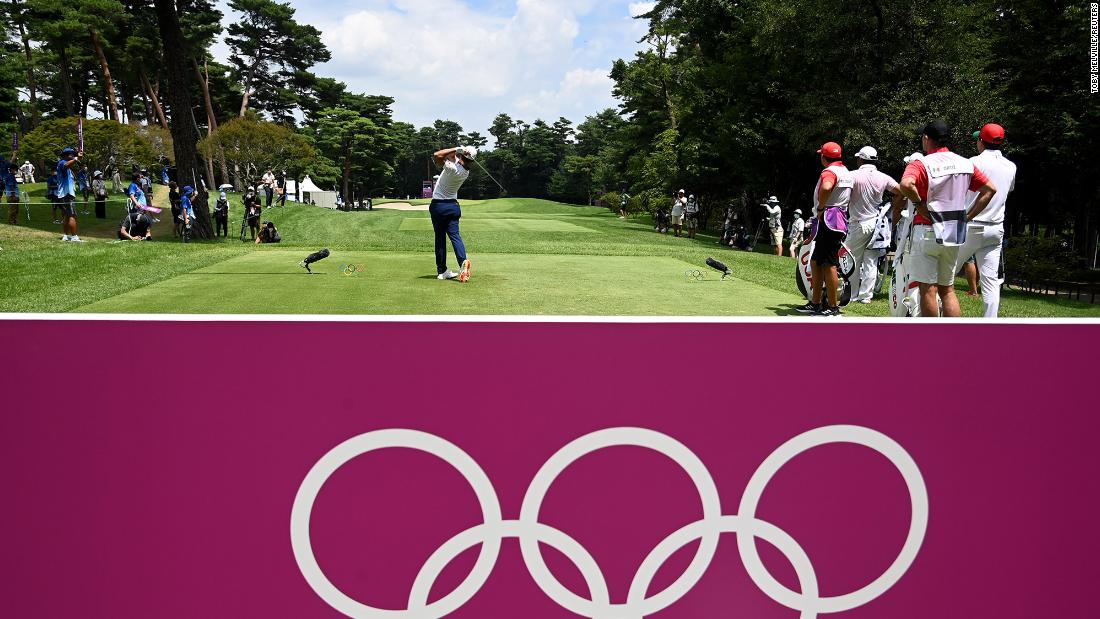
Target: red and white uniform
[(942, 180), (985, 235), (836, 210)]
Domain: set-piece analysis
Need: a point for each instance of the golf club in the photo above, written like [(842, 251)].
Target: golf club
[(504, 192)]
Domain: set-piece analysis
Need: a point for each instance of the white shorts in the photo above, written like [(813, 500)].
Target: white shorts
[(677, 220), (930, 262)]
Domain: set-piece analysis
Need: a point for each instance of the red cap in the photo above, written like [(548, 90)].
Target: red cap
[(831, 150), (993, 134)]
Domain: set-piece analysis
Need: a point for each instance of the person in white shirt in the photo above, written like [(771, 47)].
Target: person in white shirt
[(446, 211), (28, 172), (871, 186), (775, 223), (678, 205), (797, 232), (986, 233), (268, 181)]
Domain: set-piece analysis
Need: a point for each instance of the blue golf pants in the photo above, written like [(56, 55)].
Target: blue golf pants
[(445, 215)]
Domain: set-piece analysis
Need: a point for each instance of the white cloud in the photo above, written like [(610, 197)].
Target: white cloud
[(641, 8), (468, 60)]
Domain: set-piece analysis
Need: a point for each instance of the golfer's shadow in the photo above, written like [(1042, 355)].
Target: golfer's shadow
[(785, 310)]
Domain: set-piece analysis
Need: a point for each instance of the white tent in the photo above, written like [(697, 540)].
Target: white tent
[(312, 194)]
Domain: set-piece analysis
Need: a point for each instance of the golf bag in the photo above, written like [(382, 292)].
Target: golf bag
[(663, 221), (720, 267), (904, 294), (804, 274)]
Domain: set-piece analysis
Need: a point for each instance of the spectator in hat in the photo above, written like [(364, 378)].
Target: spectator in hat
[(28, 172), (678, 205), (99, 190), (797, 230), (871, 187), (269, 187), (775, 224), (221, 215), (985, 234), (135, 226), (691, 216), (939, 186), (136, 195), (174, 200), (831, 198)]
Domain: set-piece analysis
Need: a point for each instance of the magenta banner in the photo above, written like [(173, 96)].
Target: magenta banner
[(178, 470)]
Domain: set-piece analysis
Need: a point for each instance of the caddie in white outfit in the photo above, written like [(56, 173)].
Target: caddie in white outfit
[(863, 215), (985, 235), (939, 186)]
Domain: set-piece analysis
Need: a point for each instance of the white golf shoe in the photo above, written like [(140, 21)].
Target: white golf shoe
[(447, 275)]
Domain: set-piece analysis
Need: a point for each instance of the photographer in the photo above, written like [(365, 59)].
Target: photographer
[(775, 223), (252, 209), (797, 231), (136, 227), (268, 234), (221, 216)]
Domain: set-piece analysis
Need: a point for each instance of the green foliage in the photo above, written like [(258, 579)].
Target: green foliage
[(255, 146), (102, 139), (1037, 260)]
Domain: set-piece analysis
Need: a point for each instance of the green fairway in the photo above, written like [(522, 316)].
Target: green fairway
[(397, 283), (531, 257), (482, 224)]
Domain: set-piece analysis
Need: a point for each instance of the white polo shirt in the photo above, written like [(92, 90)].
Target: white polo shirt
[(871, 185), (450, 180), (1003, 174)]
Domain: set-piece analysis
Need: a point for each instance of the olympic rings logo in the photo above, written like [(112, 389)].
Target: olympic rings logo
[(353, 269), (695, 275), (531, 532)]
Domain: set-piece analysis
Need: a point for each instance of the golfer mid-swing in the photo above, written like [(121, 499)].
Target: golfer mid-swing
[(446, 212)]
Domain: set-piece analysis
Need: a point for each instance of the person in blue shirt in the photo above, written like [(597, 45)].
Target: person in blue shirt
[(187, 212), (136, 195), (66, 192), (11, 189)]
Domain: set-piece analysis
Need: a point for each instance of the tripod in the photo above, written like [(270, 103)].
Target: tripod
[(760, 231)]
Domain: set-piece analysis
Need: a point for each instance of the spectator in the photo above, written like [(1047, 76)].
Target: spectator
[(84, 186), (116, 175), (831, 198), (691, 216), (221, 215), (136, 195), (797, 231), (66, 192), (51, 188), (187, 212), (10, 187), (985, 236), (871, 187), (775, 224), (268, 234), (174, 200), (938, 185), (252, 210), (28, 172), (624, 199), (147, 186), (99, 190), (280, 189), (269, 187), (678, 204), (135, 226)]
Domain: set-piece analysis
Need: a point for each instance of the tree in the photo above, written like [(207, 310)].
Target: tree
[(268, 47), (255, 146), (354, 142), (102, 140)]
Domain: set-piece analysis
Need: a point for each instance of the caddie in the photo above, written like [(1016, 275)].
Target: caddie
[(797, 230), (871, 186), (938, 185), (985, 234), (831, 198)]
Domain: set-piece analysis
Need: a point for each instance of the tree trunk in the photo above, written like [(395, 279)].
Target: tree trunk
[(185, 135), (66, 81), (211, 119), (156, 101), (347, 173), (109, 86), (31, 84), (248, 87)]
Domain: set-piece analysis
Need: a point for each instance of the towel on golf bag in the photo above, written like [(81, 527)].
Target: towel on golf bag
[(317, 256)]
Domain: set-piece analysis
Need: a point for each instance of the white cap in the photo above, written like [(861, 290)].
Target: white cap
[(682, 191), (468, 152), (797, 211), (691, 197), (914, 157), (773, 199), (867, 153)]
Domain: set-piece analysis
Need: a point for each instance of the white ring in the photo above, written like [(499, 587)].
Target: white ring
[(637, 437), (918, 496), (727, 524), (307, 494)]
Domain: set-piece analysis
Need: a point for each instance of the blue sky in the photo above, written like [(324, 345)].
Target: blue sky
[(468, 60)]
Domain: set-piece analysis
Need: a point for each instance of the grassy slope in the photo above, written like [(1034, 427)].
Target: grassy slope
[(65, 278)]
